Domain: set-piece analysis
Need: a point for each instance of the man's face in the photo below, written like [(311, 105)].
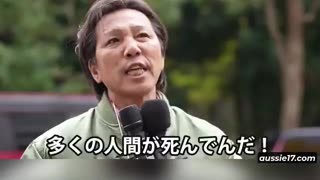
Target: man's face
[(128, 54)]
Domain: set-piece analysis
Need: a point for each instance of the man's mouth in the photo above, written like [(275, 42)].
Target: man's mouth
[(136, 71)]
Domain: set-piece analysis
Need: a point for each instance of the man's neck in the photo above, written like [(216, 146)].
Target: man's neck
[(121, 101)]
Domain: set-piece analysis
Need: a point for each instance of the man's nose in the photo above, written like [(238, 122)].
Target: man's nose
[(132, 49)]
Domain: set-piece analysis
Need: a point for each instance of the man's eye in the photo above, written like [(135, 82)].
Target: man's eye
[(112, 41), (143, 35)]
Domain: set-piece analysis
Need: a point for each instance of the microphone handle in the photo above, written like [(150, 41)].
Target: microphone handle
[(158, 155)]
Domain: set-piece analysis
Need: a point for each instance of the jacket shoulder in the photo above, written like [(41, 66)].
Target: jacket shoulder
[(199, 126), (37, 148), (196, 128)]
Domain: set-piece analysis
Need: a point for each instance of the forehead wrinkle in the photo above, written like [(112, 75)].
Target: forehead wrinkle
[(116, 19), (118, 29)]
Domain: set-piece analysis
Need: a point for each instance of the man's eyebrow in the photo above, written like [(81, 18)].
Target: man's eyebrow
[(118, 30), (113, 31), (137, 27)]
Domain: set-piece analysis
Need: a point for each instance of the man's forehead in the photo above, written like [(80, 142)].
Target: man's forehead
[(123, 19)]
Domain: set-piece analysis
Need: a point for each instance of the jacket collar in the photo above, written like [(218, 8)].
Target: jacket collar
[(107, 111), (108, 114)]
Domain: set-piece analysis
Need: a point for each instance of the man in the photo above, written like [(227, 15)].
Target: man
[(121, 46)]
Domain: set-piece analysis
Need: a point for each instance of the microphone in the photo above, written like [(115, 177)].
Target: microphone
[(156, 120), (132, 124), (132, 121)]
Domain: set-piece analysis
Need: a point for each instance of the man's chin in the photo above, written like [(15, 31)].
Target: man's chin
[(139, 91)]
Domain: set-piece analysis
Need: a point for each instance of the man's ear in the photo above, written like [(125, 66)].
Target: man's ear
[(163, 63), (93, 68)]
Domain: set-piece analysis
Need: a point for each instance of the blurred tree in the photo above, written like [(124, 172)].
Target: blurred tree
[(206, 82), (168, 10), (291, 56), (254, 82), (202, 49), (33, 37)]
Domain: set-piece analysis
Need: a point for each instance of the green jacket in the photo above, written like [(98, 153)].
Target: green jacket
[(101, 122)]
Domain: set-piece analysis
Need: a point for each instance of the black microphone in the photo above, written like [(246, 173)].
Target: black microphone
[(156, 120), (131, 120), (132, 123)]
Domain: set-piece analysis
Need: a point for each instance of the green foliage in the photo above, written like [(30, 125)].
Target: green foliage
[(25, 70), (168, 10), (31, 35), (205, 82), (237, 8)]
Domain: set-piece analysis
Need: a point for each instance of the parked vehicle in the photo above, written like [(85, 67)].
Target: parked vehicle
[(23, 117), (299, 140)]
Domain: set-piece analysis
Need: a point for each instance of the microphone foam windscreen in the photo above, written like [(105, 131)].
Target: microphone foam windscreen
[(130, 115), (156, 116)]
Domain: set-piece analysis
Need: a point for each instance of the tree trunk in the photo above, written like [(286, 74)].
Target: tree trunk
[(290, 52), (293, 69)]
